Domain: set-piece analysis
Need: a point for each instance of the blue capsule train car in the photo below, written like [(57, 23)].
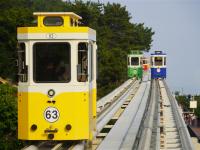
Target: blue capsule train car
[(158, 65)]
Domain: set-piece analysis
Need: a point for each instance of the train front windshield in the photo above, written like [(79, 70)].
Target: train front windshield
[(158, 61), (134, 61), (51, 62)]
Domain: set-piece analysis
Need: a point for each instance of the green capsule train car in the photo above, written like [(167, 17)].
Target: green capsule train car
[(135, 65)]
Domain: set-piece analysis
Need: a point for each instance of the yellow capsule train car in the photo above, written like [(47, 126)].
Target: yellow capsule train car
[(57, 78)]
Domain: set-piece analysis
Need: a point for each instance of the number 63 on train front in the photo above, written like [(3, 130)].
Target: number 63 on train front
[(51, 114)]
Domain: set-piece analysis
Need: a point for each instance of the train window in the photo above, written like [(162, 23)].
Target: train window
[(141, 61), (53, 21), (134, 61), (51, 62), (22, 67), (75, 23), (82, 67), (164, 61), (71, 22), (158, 61)]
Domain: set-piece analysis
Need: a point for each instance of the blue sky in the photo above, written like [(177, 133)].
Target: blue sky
[(177, 32)]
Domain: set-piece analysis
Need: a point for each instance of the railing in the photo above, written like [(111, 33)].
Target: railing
[(181, 126)]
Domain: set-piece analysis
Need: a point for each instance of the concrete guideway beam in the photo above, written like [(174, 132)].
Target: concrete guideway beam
[(124, 132)]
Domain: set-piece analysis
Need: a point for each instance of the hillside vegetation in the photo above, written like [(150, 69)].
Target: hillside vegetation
[(184, 102)]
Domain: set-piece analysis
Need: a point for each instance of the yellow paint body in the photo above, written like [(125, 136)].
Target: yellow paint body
[(73, 108), (65, 28), (53, 30)]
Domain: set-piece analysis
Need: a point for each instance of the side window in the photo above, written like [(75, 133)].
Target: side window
[(22, 67), (82, 67)]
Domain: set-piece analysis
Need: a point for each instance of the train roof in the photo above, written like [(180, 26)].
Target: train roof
[(56, 26), (135, 52), (71, 14), (158, 53)]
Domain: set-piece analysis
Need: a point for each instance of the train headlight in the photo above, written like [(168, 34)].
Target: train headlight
[(158, 69), (68, 127), (51, 93), (33, 127), (135, 71)]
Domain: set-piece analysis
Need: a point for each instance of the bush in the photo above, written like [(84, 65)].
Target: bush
[(8, 117)]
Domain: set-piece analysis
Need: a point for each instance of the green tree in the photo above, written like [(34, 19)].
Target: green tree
[(197, 110), (112, 70), (8, 115), (141, 37), (184, 102), (13, 14), (47, 5)]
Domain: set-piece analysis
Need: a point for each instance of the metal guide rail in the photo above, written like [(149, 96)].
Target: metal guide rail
[(108, 113), (180, 124), (163, 126), (106, 101), (106, 108)]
